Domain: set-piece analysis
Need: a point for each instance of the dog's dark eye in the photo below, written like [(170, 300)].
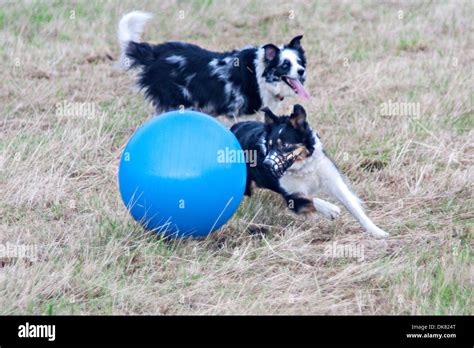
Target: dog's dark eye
[(286, 64)]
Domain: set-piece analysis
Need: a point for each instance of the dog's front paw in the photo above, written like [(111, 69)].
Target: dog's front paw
[(332, 213), (328, 210)]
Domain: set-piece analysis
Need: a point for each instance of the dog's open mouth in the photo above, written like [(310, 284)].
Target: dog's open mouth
[(296, 86)]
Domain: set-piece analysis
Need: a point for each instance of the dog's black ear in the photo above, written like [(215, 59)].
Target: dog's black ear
[(270, 117), (295, 43), (298, 117), (271, 51)]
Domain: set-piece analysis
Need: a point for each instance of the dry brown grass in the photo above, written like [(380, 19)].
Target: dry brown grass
[(58, 174)]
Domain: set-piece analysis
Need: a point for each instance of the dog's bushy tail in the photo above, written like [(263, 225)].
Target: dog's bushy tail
[(133, 53)]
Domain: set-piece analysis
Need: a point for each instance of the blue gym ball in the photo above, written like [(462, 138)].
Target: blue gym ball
[(182, 174)]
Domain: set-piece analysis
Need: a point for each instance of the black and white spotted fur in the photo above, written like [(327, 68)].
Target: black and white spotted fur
[(177, 74), (310, 172)]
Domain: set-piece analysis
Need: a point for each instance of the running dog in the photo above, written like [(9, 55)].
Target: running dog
[(176, 75), (291, 161)]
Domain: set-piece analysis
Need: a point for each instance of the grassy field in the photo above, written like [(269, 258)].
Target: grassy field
[(392, 98)]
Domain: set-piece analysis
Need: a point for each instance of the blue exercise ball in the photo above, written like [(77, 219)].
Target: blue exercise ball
[(182, 174)]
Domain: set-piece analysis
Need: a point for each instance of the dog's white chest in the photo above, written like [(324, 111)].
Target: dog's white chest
[(302, 177)]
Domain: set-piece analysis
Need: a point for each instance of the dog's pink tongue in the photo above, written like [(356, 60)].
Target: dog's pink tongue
[(300, 89)]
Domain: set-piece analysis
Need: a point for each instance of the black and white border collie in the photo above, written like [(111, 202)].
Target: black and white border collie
[(176, 75), (292, 162)]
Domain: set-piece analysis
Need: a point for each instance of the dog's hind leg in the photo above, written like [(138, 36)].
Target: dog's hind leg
[(339, 189), (332, 182)]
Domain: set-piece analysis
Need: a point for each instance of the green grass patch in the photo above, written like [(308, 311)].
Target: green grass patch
[(2, 19), (463, 123), (437, 282), (41, 14), (378, 150), (410, 43), (360, 53)]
